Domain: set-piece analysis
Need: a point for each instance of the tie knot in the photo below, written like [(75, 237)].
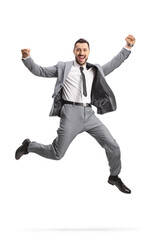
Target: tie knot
[(81, 68)]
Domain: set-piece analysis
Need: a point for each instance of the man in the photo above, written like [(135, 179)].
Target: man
[(80, 85)]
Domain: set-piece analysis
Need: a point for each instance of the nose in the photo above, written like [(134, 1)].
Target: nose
[(82, 52)]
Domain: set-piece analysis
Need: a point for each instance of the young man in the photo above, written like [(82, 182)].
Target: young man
[(80, 85)]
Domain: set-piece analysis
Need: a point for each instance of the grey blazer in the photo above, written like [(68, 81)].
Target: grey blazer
[(101, 95)]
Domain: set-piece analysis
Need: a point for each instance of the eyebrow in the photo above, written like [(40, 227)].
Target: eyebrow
[(81, 48)]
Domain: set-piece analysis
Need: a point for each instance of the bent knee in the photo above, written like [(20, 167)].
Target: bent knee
[(57, 157), (115, 147)]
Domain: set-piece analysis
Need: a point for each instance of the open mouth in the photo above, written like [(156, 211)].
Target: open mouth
[(81, 58)]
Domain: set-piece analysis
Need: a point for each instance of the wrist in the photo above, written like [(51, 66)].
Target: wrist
[(25, 56), (128, 46)]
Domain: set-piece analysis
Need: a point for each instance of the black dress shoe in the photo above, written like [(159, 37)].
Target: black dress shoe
[(115, 180), (23, 149)]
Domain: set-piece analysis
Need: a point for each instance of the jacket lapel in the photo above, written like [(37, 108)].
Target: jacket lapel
[(68, 66)]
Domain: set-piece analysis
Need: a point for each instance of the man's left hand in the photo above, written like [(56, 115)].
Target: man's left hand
[(130, 39)]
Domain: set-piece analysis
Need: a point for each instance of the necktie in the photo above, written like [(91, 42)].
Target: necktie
[(84, 82)]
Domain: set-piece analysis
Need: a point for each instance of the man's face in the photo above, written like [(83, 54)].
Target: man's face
[(81, 52)]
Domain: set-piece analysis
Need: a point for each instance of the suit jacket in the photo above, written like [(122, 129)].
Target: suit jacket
[(101, 95)]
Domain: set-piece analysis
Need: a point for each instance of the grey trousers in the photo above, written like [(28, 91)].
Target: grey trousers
[(75, 120)]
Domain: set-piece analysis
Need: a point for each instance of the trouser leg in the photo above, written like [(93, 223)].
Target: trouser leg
[(69, 127), (99, 131), (73, 121)]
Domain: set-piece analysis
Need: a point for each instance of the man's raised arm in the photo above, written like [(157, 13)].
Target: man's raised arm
[(120, 57), (35, 68)]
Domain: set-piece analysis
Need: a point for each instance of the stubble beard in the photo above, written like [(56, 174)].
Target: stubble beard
[(81, 64)]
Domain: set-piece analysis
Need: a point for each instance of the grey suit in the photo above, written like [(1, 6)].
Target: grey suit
[(76, 119)]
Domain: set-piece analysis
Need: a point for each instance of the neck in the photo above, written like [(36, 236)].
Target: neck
[(82, 65), (78, 64)]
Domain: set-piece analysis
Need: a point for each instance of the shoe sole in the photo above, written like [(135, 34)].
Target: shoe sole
[(111, 183)]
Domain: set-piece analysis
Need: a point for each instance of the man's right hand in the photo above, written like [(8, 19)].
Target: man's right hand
[(25, 52)]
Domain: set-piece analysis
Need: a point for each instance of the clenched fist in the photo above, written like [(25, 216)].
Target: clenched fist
[(25, 52), (130, 39)]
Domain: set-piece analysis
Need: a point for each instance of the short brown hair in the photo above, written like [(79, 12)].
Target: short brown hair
[(81, 40)]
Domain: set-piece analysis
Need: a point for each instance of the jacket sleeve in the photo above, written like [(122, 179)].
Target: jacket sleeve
[(116, 61), (38, 70)]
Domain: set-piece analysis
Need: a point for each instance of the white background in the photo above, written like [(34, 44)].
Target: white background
[(44, 199)]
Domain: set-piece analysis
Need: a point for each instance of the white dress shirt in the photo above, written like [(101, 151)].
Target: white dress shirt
[(73, 85)]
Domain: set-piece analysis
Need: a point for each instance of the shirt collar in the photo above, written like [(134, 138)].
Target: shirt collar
[(78, 65)]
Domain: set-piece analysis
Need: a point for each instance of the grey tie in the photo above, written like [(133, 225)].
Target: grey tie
[(84, 82)]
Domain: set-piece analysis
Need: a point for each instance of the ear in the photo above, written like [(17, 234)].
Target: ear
[(74, 51)]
